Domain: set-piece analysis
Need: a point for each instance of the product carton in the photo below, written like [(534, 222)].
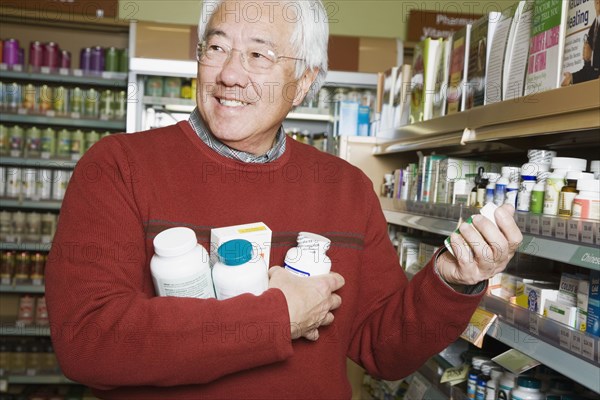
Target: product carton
[(256, 233), (559, 312), (583, 293), (593, 317), (535, 295), (567, 293)]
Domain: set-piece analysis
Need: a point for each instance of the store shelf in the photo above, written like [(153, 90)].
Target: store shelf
[(161, 67), (75, 77), (31, 204), (62, 121), (310, 114), (37, 162), (567, 109), (36, 247), (575, 253), (570, 352), (351, 79), (11, 329), (37, 380), (22, 288)]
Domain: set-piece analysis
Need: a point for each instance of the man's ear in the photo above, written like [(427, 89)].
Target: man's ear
[(304, 84)]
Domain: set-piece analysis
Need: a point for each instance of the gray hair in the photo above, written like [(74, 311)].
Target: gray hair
[(309, 39)]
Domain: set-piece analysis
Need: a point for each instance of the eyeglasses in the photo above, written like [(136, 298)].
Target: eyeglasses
[(256, 60)]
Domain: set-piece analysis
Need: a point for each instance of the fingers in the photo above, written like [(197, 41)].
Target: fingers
[(334, 281), (274, 270), (505, 219)]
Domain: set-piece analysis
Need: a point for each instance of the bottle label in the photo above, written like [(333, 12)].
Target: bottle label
[(198, 286), (504, 394), (295, 271), (511, 197), (553, 188), (499, 194), (586, 209), (537, 202), (565, 203)]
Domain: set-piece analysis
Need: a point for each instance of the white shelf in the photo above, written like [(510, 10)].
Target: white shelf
[(22, 289), (37, 162), (11, 329)]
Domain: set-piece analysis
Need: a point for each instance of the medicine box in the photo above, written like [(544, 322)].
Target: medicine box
[(256, 233), (564, 314), (593, 317), (535, 296), (567, 294), (583, 289)]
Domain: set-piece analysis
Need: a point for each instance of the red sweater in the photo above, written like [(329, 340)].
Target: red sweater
[(112, 333)]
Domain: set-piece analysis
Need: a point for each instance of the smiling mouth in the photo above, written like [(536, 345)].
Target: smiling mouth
[(232, 103)]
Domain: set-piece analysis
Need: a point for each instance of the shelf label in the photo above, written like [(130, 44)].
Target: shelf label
[(510, 314), (22, 111), (45, 155), (547, 226), (417, 388), (534, 224), (560, 231), (3, 385), (17, 68), (534, 328), (78, 72), (75, 115), (3, 66), (564, 337), (573, 230), (522, 221), (455, 375), (586, 257), (45, 70), (51, 113), (576, 342), (588, 347), (587, 232), (63, 71)]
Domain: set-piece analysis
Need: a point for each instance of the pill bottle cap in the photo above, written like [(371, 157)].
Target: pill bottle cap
[(529, 382), (235, 252), (173, 242), (589, 185)]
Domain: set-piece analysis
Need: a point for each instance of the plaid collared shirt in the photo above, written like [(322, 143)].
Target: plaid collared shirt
[(211, 141)]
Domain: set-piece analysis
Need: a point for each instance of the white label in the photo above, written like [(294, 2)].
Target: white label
[(573, 230), (417, 388), (587, 347), (522, 221), (51, 113), (510, 314), (547, 223), (22, 111), (17, 68), (598, 234), (576, 342), (75, 115), (77, 72), (197, 286), (45, 70), (560, 231), (534, 224), (533, 323), (565, 338), (63, 71), (587, 232)]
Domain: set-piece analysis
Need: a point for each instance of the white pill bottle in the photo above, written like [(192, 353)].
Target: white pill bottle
[(309, 258), (180, 266)]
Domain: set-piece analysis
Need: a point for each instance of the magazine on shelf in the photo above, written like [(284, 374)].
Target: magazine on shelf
[(426, 58), (582, 42), (482, 32), (546, 46), (401, 103), (387, 106), (495, 63), (442, 74), (458, 70), (517, 50)]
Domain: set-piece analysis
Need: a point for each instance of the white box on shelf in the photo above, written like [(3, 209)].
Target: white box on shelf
[(256, 233), (562, 313)]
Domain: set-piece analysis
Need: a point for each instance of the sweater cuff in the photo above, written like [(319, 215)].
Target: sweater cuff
[(465, 289)]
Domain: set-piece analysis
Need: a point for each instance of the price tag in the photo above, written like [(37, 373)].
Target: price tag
[(77, 72), (565, 337), (75, 115), (104, 118), (63, 71), (15, 153), (51, 113), (560, 231), (587, 232), (598, 234), (534, 224), (3, 385), (45, 155), (587, 347), (510, 314), (75, 157), (417, 388), (576, 342), (17, 68), (533, 323), (45, 70), (573, 230), (522, 221), (3, 67), (22, 111), (547, 226)]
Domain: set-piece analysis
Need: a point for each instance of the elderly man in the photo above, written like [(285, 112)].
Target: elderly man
[(231, 164)]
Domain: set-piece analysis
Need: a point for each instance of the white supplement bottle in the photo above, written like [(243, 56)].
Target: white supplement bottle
[(529, 173), (505, 385), (309, 258), (487, 211), (239, 270), (501, 184), (527, 389), (595, 168), (180, 266), (586, 204), (512, 189), (491, 388), (491, 186)]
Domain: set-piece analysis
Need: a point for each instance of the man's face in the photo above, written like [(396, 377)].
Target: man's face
[(245, 109)]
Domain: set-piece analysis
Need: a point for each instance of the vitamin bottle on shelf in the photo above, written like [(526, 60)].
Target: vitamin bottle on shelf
[(309, 258)]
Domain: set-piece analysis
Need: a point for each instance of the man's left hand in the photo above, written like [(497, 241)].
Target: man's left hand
[(481, 250)]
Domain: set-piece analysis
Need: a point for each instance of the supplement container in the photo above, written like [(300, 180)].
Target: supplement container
[(512, 189), (505, 385), (487, 211), (595, 168), (556, 180), (586, 204), (541, 156), (527, 389), (238, 270), (492, 178), (309, 258), (491, 387), (569, 191), (501, 184), (482, 379), (180, 266), (476, 363), (529, 173)]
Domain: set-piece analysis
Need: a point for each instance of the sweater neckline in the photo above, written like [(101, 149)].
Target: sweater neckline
[(191, 135)]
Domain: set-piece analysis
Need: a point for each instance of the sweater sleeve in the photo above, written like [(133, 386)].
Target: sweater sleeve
[(108, 328), (405, 323)]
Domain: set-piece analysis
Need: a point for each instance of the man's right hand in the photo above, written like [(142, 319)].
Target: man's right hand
[(310, 300)]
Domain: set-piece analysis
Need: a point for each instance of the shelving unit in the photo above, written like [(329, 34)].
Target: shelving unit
[(62, 121), (75, 77)]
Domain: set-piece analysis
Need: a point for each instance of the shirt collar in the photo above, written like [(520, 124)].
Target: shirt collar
[(211, 141)]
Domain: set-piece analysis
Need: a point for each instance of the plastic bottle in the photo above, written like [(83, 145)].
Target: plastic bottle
[(505, 385), (237, 271), (491, 186), (569, 191), (480, 190), (476, 363), (491, 388), (309, 258), (501, 184), (180, 266), (529, 173), (482, 380), (595, 168), (556, 181), (512, 189), (586, 204), (527, 389)]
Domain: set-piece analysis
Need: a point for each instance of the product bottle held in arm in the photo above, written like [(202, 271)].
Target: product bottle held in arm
[(180, 266), (309, 258)]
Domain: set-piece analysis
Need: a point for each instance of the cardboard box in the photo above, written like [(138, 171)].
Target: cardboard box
[(559, 312), (535, 296), (593, 311), (256, 233), (583, 293), (567, 294)]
